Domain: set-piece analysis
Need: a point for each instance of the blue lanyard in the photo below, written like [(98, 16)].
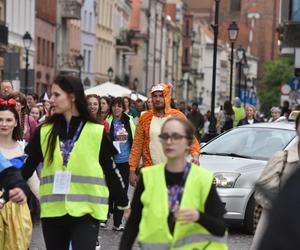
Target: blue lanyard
[(179, 189), (67, 146)]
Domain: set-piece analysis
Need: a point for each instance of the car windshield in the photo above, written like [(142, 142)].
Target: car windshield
[(250, 142)]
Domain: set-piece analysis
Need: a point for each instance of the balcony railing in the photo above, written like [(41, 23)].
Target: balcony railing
[(71, 9), (124, 38)]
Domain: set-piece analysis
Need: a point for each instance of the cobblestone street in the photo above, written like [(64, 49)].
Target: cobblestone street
[(110, 240)]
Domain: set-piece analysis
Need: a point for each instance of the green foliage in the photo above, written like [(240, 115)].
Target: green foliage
[(276, 72)]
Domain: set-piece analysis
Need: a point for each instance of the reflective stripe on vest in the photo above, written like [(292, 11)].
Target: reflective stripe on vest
[(199, 238), (76, 179), (154, 246), (196, 238), (74, 197)]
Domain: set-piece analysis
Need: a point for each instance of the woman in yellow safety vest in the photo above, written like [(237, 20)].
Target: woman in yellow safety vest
[(175, 205), (75, 152)]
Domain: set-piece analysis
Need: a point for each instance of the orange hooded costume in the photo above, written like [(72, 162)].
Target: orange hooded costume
[(141, 140)]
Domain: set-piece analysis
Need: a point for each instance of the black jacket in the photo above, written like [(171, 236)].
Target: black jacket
[(125, 119), (245, 122), (11, 178)]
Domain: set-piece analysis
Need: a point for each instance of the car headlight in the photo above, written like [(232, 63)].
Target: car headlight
[(225, 180)]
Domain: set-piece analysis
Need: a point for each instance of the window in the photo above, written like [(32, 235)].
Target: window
[(187, 27), (296, 11), (251, 142), (84, 21), (48, 54), (52, 54), (90, 22), (235, 5), (84, 60), (42, 51), (89, 62), (110, 16), (38, 50), (186, 56)]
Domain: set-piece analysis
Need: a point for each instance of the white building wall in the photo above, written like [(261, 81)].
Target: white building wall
[(120, 22), (20, 17), (88, 40)]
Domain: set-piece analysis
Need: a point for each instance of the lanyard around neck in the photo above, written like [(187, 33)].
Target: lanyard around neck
[(175, 198), (67, 146)]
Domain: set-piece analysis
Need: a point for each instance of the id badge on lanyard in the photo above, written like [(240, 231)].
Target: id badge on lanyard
[(62, 182)]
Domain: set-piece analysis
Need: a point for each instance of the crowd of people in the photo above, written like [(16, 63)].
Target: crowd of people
[(69, 159)]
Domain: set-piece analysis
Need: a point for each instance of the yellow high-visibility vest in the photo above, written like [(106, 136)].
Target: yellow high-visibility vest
[(154, 233), (88, 193)]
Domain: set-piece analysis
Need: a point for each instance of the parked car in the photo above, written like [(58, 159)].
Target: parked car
[(237, 158)]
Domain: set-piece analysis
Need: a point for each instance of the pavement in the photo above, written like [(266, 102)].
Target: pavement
[(109, 240)]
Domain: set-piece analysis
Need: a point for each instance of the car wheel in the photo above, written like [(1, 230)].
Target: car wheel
[(249, 216)]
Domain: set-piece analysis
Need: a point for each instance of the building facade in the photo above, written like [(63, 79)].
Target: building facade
[(45, 35), (68, 33), (3, 35), (88, 41), (20, 18), (122, 37), (257, 21), (104, 41), (147, 23)]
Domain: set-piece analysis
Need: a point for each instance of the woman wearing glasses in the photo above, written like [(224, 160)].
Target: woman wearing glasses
[(175, 205)]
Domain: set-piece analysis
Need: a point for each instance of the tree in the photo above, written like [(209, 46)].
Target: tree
[(276, 72)]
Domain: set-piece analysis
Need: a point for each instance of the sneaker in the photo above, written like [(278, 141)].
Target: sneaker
[(98, 247), (103, 225), (119, 228)]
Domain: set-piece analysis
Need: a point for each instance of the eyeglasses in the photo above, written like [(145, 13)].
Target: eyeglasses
[(174, 137)]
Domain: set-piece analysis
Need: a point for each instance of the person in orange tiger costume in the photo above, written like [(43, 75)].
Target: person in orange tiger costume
[(146, 138)]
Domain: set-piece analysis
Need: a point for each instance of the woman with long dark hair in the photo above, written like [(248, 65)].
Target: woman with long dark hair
[(93, 102), (105, 107), (15, 221), (76, 155), (27, 123)]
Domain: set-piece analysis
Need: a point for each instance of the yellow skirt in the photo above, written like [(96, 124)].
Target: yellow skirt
[(15, 227)]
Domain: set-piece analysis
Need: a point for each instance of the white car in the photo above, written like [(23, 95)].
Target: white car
[(237, 158)]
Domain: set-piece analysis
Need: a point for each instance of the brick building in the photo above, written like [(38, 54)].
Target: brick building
[(45, 45), (257, 21)]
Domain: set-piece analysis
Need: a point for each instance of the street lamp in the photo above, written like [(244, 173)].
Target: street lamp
[(79, 62), (246, 72), (27, 40), (110, 73), (241, 56), (215, 26), (233, 32)]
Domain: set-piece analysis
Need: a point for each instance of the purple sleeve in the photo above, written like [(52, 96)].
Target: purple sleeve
[(30, 125)]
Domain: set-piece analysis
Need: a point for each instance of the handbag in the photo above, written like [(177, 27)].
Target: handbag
[(268, 184)]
